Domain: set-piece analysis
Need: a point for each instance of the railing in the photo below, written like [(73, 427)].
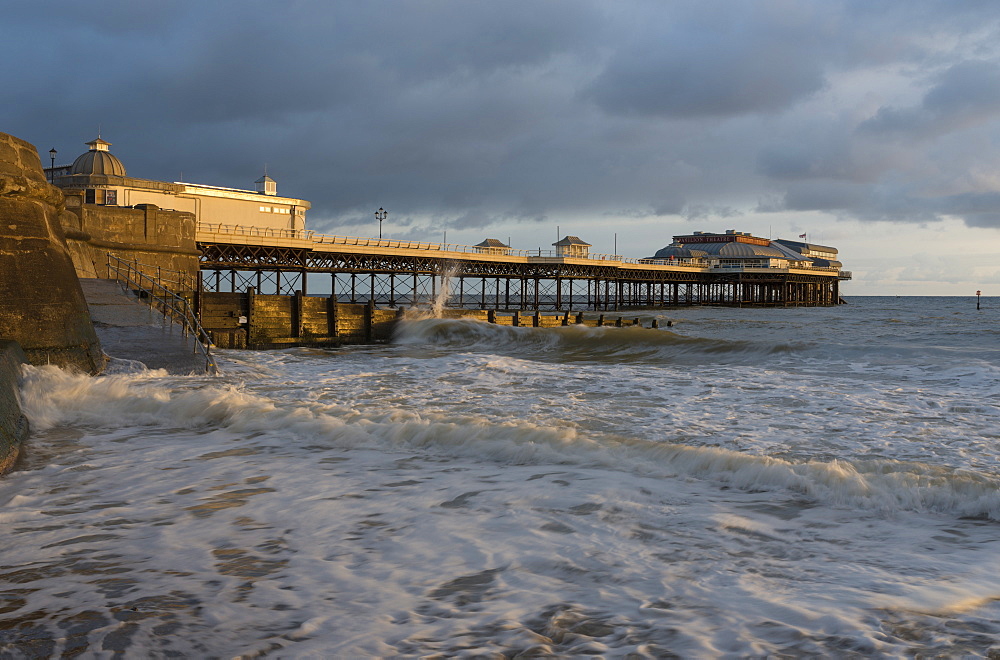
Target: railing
[(134, 276), (173, 280), (694, 263), (361, 241)]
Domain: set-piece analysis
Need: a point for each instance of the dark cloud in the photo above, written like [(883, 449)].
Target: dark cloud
[(721, 59), (467, 115)]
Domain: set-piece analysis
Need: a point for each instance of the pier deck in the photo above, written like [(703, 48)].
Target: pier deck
[(395, 273)]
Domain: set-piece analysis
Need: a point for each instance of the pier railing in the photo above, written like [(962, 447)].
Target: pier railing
[(313, 238), (135, 276), (361, 241)]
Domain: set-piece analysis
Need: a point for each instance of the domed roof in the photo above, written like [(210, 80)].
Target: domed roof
[(678, 252), (736, 250), (98, 161), (748, 250)]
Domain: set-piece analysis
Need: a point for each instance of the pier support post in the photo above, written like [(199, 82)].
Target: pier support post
[(331, 316), (369, 319), (251, 318), (298, 313)]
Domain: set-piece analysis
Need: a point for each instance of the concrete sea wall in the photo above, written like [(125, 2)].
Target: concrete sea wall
[(155, 237), (255, 321), (13, 424), (41, 304)]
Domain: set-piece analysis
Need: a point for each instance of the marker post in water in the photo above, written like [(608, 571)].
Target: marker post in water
[(978, 293)]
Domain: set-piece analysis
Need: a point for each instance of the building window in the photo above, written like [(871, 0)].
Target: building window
[(89, 196), (111, 198)]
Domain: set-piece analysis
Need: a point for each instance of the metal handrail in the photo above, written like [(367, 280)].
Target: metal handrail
[(174, 280), (177, 307), (311, 236), (362, 241)]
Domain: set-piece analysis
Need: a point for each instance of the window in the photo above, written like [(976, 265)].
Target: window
[(98, 196), (111, 198)]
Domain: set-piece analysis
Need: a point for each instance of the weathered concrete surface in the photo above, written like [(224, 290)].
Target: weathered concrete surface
[(13, 424), (155, 237), (129, 330), (41, 304)]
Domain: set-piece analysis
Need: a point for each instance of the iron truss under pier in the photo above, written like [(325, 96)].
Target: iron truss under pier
[(403, 273)]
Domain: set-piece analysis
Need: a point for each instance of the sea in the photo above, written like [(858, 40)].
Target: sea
[(782, 483)]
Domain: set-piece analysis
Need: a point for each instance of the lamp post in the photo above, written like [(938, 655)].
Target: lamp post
[(52, 170), (380, 215)]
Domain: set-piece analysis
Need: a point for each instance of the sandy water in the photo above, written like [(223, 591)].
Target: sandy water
[(746, 482)]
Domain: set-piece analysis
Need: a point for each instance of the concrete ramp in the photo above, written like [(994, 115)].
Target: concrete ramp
[(130, 330)]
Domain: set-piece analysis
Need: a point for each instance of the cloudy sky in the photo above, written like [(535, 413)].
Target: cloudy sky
[(871, 126)]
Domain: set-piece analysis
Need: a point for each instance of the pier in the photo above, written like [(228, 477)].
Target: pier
[(405, 273)]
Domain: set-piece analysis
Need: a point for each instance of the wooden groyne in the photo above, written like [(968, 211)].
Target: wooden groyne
[(254, 321)]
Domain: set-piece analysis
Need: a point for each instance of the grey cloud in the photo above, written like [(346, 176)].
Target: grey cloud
[(976, 209), (725, 59), (890, 202), (827, 196), (967, 93), (705, 211)]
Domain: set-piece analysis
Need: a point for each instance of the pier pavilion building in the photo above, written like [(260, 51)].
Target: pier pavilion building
[(99, 177), (741, 250)]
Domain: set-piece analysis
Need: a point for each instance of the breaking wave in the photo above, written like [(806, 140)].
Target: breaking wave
[(578, 342), (52, 397)]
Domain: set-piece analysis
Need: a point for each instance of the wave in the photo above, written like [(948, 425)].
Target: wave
[(52, 397), (578, 342)]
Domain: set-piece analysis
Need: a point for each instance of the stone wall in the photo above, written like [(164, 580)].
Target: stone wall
[(255, 321), (41, 304), (13, 424), (153, 236)]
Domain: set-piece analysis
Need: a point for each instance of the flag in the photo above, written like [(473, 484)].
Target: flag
[(802, 235)]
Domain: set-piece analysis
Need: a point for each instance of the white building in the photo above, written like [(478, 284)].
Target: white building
[(103, 179)]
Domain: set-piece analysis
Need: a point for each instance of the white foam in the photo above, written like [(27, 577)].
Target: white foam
[(733, 488), (52, 397)]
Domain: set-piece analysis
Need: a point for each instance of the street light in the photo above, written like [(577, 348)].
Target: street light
[(380, 215), (52, 170)]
